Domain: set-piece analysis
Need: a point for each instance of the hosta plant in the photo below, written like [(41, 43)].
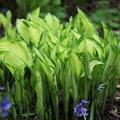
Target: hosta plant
[(49, 67)]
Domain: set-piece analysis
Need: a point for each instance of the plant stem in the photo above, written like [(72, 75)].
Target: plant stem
[(92, 111), (84, 117), (86, 69)]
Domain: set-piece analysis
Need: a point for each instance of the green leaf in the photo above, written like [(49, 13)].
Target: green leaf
[(76, 64), (83, 24), (40, 100), (23, 30), (16, 55), (53, 23), (6, 20), (93, 63), (35, 12)]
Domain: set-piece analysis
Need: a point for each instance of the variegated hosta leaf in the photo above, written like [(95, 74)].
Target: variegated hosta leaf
[(91, 46), (75, 64), (83, 24), (6, 20), (29, 32), (16, 55), (54, 24)]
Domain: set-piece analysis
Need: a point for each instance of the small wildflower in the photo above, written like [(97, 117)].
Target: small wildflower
[(101, 87), (80, 110), (4, 107)]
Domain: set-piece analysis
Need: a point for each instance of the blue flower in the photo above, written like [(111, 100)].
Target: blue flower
[(4, 107), (80, 110)]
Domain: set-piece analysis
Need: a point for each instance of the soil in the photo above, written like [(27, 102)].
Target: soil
[(112, 111)]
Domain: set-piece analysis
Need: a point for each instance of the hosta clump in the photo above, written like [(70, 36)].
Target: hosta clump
[(46, 57)]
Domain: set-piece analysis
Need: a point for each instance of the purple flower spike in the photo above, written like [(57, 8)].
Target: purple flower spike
[(80, 110), (4, 107), (4, 114)]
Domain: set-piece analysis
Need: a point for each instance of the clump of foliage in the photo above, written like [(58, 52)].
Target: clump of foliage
[(48, 67)]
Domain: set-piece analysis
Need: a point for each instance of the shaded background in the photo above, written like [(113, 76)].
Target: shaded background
[(98, 10)]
